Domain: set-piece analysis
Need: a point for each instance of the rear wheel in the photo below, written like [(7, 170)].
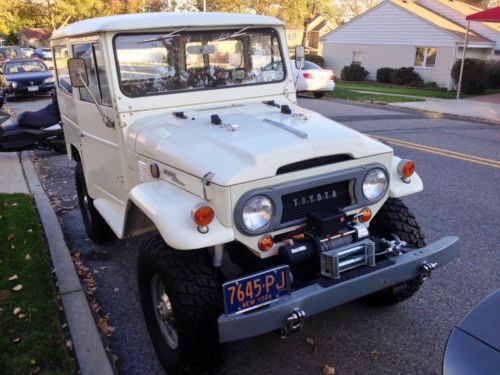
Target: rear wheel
[(181, 301), (396, 218), (318, 94), (97, 229)]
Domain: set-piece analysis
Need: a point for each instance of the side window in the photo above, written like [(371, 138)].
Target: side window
[(61, 65), (85, 52), (101, 76)]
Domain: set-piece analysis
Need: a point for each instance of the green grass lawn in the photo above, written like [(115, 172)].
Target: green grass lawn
[(32, 340), (431, 93), (341, 93)]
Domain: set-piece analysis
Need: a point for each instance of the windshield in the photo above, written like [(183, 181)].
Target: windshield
[(10, 53), (151, 64), (25, 67)]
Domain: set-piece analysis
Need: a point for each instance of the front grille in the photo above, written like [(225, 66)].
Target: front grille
[(312, 163), (37, 82), (298, 205)]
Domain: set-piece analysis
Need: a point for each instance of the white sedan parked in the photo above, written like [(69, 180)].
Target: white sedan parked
[(314, 79)]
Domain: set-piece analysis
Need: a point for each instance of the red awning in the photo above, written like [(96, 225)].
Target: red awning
[(488, 15)]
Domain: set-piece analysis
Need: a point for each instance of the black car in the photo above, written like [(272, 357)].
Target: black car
[(473, 347), (28, 76)]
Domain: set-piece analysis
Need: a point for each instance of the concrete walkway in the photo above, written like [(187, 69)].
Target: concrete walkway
[(12, 178), (486, 109)]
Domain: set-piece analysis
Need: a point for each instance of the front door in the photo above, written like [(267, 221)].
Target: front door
[(101, 154)]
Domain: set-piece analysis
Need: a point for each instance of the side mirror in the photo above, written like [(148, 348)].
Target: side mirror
[(300, 57), (78, 72)]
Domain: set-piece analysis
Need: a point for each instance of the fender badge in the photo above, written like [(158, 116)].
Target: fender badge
[(173, 176)]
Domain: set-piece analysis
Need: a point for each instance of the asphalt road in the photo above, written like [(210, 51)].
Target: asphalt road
[(459, 164)]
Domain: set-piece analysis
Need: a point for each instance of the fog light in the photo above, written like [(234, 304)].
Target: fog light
[(203, 215), (266, 243)]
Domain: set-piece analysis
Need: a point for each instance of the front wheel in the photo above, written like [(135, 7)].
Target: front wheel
[(181, 301), (396, 218)]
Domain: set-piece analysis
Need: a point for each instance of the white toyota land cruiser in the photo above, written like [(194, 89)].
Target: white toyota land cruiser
[(186, 125)]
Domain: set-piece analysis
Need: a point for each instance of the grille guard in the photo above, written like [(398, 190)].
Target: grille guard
[(317, 298)]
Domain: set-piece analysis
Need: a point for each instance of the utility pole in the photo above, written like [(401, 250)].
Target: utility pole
[(204, 5)]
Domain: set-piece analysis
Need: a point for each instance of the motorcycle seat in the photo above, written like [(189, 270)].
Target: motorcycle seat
[(40, 119)]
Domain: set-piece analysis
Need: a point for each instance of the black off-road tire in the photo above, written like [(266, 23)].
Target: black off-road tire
[(196, 300), (97, 229), (319, 94), (395, 218)]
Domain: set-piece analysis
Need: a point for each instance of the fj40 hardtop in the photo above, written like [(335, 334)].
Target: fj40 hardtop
[(264, 213)]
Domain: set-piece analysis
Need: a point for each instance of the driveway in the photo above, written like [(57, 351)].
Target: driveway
[(459, 162)]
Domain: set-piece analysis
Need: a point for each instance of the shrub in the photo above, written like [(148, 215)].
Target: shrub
[(406, 76), (353, 72), (476, 76), (317, 59), (384, 75), (495, 74), (431, 85)]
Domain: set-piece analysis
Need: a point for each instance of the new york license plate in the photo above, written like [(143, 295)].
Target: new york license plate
[(32, 88), (256, 290)]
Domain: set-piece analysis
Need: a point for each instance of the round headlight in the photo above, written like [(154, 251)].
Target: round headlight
[(375, 184), (257, 213)]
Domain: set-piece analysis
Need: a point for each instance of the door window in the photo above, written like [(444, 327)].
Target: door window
[(98, 85)]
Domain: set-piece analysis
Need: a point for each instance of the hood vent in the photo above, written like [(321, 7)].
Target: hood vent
[(312, 163)]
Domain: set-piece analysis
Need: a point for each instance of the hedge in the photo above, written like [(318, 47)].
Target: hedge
[(384, 75), (476, 76), (353, 72)]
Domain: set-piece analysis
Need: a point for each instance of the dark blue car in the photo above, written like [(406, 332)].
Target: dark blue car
[(23, 77)]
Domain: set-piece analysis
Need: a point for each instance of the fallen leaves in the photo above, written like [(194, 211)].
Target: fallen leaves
[(376, 354), (16, 311), (314, 346), (17, 288), (13, 277), (27, 257), (16, 340), (104, 327), (328, 370)]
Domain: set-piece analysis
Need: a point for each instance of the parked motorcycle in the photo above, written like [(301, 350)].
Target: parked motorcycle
[(32, 130)]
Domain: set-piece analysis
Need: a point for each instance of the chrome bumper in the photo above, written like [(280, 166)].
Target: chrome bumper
[(317, 298)]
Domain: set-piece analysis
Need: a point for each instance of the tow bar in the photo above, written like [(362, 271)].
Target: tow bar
[(294, 322)]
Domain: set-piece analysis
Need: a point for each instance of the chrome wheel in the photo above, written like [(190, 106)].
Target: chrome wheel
[(163, 312)]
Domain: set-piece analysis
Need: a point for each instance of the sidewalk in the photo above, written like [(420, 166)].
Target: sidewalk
[(485, 109), (12, 178)]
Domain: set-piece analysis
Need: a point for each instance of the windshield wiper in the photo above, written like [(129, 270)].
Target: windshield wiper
[(163, 37), (233, 35)]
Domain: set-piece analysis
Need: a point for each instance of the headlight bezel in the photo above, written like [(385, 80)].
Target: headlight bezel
[(264, 227), (383, 191)]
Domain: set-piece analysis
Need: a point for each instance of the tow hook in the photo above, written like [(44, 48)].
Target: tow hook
[(294, 322), (426, 270)]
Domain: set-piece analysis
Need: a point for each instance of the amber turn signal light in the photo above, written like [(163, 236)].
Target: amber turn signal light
[(406, 168), (203, 215), (365, 215), (266, 243)]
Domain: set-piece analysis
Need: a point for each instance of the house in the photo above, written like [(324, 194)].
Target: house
[(34, 37), (316, 29), (425, 34)]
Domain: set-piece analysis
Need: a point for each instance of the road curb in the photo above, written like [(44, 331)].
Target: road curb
[(89, 349)]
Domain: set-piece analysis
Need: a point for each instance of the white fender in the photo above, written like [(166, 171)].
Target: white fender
[(397, 187), (170, 209)]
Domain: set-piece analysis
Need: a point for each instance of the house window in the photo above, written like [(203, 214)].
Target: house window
[(426, 57), (292, 36), (357, 58)]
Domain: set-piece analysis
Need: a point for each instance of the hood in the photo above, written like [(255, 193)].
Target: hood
[(254, 150), (28, 77)]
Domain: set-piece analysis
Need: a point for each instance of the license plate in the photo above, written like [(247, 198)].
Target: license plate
[(32, 88), (256, 290)]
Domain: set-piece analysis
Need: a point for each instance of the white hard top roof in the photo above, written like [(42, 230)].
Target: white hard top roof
[(148, 21)]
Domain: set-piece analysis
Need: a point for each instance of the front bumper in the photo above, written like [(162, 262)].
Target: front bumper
[(317, 298), (23, 91)]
